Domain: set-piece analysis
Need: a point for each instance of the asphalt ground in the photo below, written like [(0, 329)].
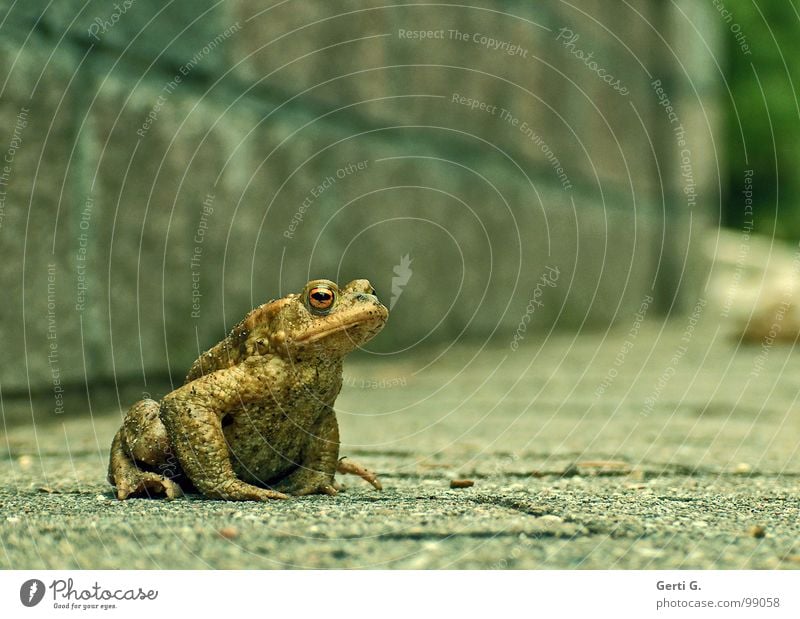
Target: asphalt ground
[(653, 446)]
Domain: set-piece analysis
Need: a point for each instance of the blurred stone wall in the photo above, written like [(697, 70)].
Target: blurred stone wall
[(509, 167)]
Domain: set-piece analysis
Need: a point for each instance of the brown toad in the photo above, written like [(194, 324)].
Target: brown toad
[(254, 419)]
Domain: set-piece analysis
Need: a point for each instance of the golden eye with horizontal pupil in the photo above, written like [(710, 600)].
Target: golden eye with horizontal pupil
[(320, 299)]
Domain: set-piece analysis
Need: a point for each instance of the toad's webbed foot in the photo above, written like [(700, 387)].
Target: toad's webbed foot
[(237, 490), (306, 481)]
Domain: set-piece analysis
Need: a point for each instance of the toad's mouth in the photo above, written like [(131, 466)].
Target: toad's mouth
[(324, 332)]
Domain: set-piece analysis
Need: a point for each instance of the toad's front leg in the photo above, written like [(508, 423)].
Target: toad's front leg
[(192, 416), (314, 474)]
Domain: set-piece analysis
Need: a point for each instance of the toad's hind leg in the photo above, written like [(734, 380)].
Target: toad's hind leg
[(347, 466), (142, 442)]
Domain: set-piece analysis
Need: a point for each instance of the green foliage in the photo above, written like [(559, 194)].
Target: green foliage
[(763, 113)]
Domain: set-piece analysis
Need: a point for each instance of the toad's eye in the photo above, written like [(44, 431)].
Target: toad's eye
[(320, 299)]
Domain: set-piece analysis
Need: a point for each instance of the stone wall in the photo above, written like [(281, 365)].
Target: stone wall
[(175, 164)]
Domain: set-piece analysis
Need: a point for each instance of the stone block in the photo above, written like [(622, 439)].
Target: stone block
[(41, 343)]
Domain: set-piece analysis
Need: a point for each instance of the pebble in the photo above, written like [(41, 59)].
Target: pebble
[(462, 483), (651, 552), (637, 475), (229, 532), (550, 519), (757, 531)]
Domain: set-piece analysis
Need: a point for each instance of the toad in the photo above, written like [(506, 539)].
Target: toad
[(254, 419)]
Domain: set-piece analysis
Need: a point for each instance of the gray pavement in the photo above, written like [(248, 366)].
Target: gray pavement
[(664, 449)]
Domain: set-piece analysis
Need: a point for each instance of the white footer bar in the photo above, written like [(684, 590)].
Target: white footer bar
[(402, 594)]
